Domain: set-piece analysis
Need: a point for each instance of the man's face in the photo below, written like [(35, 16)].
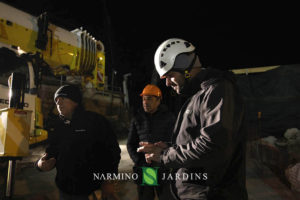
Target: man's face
[(150, 103), (65, 106), (175, 80)]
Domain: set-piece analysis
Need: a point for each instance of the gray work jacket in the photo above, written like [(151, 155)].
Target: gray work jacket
[(208, 152)]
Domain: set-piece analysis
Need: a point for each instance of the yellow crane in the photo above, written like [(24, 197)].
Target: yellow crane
[(42, 45)]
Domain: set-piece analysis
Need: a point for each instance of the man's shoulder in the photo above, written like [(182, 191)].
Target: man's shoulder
[(91, 115), (140, 113), (165, 110), (53, 121)]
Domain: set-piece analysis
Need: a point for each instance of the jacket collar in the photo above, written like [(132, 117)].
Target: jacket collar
[(206, 77), (76, 115), (161, 109)]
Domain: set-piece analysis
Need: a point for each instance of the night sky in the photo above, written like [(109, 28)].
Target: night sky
[(225, 36)]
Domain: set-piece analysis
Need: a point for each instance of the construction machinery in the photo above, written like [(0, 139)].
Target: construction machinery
[(35, 47)]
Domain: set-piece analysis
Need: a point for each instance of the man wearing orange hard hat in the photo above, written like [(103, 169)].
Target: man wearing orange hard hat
[(151, 124), (151, 98)]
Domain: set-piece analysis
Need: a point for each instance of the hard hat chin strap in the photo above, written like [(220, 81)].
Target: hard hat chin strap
[(187, 74)]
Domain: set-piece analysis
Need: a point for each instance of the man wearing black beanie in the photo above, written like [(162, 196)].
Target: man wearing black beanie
[(68, 99), (69, 91), (81, 143)]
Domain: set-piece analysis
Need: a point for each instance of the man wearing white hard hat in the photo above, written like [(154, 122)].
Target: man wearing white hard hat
[(209, 137)]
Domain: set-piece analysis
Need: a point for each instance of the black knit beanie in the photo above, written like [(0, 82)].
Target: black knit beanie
[(69, 91)]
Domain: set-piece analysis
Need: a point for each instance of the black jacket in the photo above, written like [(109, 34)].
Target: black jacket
[(82, 146), (149, 128), (209, 138)]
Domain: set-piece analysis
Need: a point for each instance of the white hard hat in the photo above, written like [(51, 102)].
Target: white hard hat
[(167, 52)]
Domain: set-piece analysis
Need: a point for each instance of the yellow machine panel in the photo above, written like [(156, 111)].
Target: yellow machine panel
[(14, 132), (99, 72)]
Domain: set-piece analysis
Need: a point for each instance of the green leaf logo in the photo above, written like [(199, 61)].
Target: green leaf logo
[(150, 176)]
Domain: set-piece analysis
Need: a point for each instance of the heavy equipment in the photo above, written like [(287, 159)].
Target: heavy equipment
[(35, 47)]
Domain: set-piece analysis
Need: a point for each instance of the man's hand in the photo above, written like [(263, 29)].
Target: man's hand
[(152, 151), (46, 164), (161, 145)]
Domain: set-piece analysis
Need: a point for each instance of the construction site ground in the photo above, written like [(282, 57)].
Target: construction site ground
[(31, 184)]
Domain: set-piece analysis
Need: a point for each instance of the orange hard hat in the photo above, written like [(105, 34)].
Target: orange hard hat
[(152, 90)]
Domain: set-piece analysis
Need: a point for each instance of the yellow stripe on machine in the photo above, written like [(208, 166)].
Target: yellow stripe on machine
[(14, 132)]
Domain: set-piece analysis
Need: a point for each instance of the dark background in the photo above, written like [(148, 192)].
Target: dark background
[(236, 36)]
